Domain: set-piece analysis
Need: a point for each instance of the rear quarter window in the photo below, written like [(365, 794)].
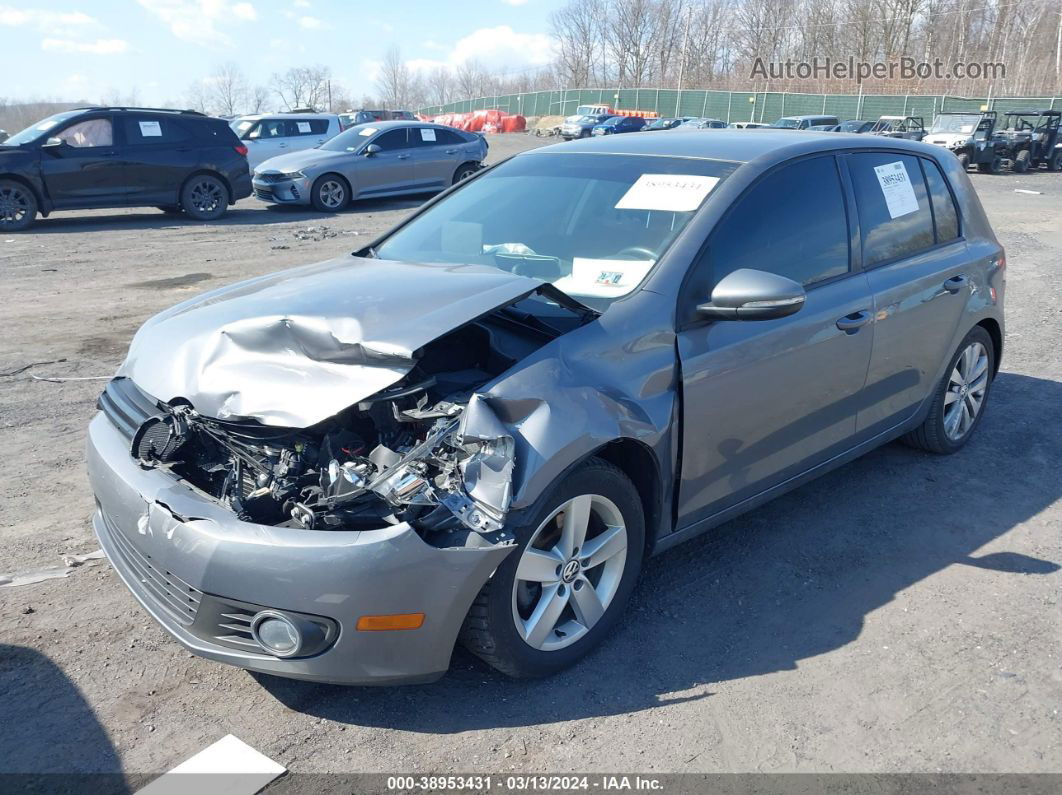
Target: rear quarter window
[(895, 220), (945, 211), (140, 130)]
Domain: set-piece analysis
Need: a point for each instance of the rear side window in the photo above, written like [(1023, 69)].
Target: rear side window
[(793, 223), (152, 130), (298, 127), (894, 216), (945, 213), (450, 138)]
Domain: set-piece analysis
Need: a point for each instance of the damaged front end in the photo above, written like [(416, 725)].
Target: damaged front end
[(400, 456)]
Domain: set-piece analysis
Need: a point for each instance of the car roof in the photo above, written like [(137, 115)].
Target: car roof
[(1034, 113), (393, 123), (733, 145), (257, 116)]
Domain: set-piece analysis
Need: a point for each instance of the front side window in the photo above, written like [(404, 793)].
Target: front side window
[(593, 224), (792, 223), (894, 216), (88, 134), (945, 212)]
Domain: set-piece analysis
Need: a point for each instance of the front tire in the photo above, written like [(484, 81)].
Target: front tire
[(330, 193), (964, 160), (18, 206), (960, 399), (204, 198), (565, 586), (1021, 162)]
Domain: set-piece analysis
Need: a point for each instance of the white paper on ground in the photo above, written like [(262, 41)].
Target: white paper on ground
[(304, 126), (603, 278), (35, 576), (677, 193), (150, 129), (897, 189), (228, 767), (427, 134)]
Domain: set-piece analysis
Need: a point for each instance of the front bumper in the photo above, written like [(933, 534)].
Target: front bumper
[(188, 561), (289, 191)]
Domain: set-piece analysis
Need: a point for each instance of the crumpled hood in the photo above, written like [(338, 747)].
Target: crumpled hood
[(304, 158), (296, 347)]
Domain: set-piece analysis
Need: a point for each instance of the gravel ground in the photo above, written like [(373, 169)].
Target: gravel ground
[(900, 614)]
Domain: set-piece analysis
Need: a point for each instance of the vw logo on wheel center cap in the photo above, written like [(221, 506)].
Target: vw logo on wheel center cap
[(570, 570)]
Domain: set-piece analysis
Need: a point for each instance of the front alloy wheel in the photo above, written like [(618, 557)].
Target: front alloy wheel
[(579, 551), (18, 206), (329, 194)]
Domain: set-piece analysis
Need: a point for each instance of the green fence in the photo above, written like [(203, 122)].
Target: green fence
[(763, 106)]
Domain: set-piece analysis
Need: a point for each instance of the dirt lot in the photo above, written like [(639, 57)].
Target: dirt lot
[(901, 614)]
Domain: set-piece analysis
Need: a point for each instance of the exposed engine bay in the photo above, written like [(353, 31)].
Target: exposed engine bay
[(428, 450)]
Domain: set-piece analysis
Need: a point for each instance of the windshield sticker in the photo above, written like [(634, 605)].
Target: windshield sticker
[(427, 134), (897, 189), (150, 129), (304, 126), (677, 193), (367, 131), (603, 278)]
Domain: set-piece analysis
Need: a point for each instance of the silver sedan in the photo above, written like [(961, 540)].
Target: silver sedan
[(389, 158)]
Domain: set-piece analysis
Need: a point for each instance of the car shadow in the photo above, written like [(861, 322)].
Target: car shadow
[(247, 212), (793, 579), (51, 740)]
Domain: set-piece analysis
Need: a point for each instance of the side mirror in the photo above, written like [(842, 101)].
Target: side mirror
[(371, 150), (52, 143), (748, 294)]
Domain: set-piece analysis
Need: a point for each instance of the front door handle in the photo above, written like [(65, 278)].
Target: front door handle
[(403, 157), (955, 283), (850, 324), (450, 151)]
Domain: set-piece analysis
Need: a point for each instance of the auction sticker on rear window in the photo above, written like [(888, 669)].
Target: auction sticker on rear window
[(676, 193), (150, 128), (897, 189)]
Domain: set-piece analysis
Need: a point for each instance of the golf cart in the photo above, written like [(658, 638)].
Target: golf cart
[(912, 128), (1031, 138), (970, 136)]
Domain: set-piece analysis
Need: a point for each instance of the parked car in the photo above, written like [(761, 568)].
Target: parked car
[(269, 135), (480, 424), (665, 123), (825, 127), (703, 124), (912, 128), (619, 124), (745, 125), (101, 157), (857, 126), (581, 126), (1031, 139), (371, 160), (802, 122), (971, 137)]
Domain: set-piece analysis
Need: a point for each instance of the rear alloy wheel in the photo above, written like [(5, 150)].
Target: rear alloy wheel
[(466, 171), (960, 398), (555, 597), (329, 193), (18, 206), (204, 198)]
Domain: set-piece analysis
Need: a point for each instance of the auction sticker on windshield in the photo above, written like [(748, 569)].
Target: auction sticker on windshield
[(676, 193), (897, 189)]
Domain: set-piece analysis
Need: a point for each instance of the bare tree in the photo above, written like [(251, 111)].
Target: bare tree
[(227, 92), (302, 86), (395, 80)]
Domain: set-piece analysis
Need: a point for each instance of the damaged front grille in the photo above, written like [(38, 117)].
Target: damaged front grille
[(164, 589)]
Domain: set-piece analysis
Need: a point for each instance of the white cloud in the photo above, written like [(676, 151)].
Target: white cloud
[(97, 47), (16, 17), (499, 49), (309, 23), (198, 21), (514, 2)]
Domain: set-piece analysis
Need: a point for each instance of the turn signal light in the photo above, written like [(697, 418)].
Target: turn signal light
[(396, 621)]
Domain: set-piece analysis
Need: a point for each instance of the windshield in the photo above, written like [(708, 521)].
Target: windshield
[(959, 123), (38, 130), (786, 124), (852, 126), (660, 123), (241, 126), (592, 224), (351, 139)]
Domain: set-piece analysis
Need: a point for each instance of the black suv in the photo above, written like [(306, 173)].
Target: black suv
[(176, 160)]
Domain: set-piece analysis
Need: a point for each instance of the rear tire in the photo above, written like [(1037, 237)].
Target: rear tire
[(1054, 162), (18, 206), (330, 193), (204, 198), (465, 171), (1021, 162), (967, 378), (991, 167), (566, 610)]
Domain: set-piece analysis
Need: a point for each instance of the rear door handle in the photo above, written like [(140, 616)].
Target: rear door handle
[(450, 151), (850, 324), (955, 283), (403, 157)]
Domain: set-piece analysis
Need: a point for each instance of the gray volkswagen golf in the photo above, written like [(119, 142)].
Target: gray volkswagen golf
[(479, 426), (390, 158)]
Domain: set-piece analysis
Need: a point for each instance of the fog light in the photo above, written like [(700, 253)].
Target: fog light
[(277, 634)]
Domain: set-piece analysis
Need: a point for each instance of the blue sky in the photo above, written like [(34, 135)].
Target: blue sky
[(71, 50)]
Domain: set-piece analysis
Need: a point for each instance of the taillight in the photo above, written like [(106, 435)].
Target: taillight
[(240, 149)]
